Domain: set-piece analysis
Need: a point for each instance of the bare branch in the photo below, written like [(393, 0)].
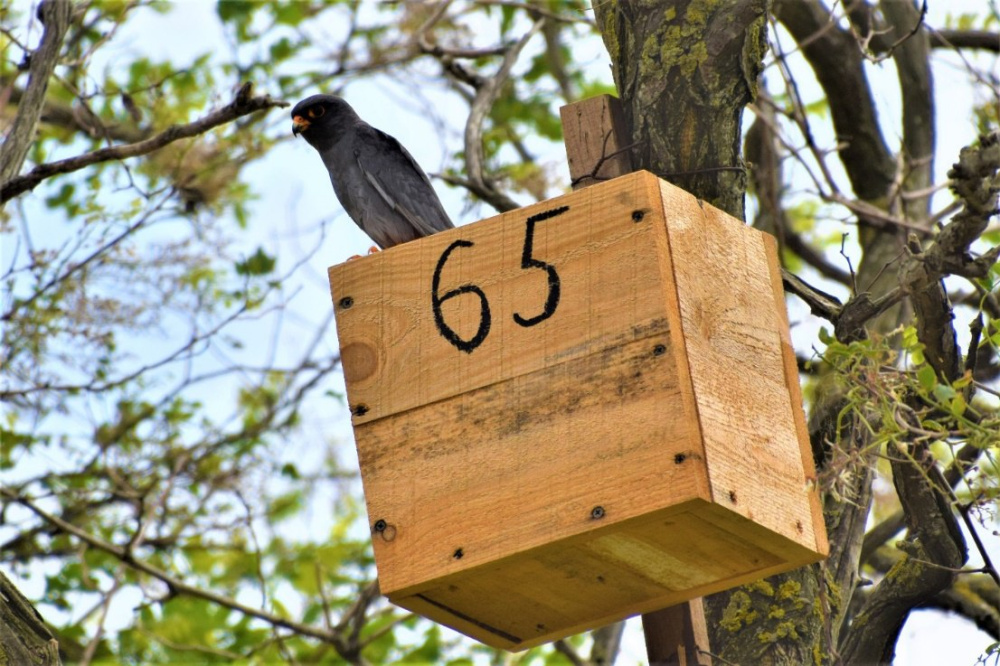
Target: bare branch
[(838, 66), (485, 97), (55, 14), (965, 39)]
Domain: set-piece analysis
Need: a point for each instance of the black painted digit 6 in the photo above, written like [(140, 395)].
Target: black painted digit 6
[(436, 301), (527, 261)]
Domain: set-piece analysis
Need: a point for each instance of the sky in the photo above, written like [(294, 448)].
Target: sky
[(294, 196)]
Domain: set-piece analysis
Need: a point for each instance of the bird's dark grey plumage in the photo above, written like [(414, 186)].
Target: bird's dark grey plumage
[(377, 181)]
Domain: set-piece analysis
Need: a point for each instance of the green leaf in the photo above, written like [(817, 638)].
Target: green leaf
[(259, 263), (927, 377)]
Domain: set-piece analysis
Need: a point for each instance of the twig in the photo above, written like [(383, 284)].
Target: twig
[(850, 266), (988, 567)]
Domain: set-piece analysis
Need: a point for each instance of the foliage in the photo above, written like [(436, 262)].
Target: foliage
[(144, 402), (172, 490)]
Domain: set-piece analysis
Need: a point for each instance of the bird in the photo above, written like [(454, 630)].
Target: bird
[(374, 177)]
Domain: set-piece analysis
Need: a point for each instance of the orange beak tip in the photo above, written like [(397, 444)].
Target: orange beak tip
[(299, 125)]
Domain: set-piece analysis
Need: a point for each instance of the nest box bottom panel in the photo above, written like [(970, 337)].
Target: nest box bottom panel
[(607, 575), (576, 412)]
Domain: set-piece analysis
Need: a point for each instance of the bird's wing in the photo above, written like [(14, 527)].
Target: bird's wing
[(399, 181)]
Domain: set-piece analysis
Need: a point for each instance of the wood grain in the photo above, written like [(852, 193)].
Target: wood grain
[(513, 466), (601, 576), (393, 354), (596, 140), (733, 331)]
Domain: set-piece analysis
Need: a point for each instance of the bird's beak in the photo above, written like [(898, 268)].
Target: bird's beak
[(299, 125)]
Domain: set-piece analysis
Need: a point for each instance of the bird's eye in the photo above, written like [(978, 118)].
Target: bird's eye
[(316, 111)]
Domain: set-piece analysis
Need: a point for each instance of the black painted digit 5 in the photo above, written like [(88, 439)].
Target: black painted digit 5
[(527, 261), (436, 301)]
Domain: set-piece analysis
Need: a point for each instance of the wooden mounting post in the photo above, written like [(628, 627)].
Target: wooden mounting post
[(597, 149)]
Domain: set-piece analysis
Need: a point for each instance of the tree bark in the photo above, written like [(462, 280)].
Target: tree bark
[(55, 15), (24, 638), (685, 69)]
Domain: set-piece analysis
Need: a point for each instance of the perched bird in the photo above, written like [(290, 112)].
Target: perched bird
[(376, 180)]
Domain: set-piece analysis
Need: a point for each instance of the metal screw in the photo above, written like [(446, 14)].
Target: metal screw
[(360, 409), (346, 302), (597, 513), (458, 554), (679, 458), (659, 350), (637, 215), (380, 525)]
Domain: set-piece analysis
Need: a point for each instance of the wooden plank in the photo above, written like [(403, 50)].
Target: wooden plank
[(680, 633), (509, 467), (604, 575), (596, 139), (395, 352), (732, 330), (795, 392)]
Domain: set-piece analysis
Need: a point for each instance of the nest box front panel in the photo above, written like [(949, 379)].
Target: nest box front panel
[(501, 298), (509, 377)]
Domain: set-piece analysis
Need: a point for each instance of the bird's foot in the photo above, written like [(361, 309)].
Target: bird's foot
[(372, 250)]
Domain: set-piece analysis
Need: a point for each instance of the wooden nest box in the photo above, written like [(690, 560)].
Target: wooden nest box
[(576, 412)]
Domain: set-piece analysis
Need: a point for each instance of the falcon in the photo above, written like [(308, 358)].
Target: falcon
[(375, 178)]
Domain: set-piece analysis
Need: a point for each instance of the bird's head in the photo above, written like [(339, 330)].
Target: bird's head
[(322, 119)]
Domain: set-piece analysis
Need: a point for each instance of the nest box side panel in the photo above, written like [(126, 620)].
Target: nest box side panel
[(503, 297), (795, 392), (734, 333)]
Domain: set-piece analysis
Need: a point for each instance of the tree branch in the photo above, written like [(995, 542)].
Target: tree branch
[(486, 96), (64, 115), (55, 14), (838, 64), (935, 549), (965, 39), (243, 104), (976, 182), (23, 633), (175, 584)]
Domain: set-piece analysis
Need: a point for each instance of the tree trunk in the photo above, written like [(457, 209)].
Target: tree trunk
[(684, 70)]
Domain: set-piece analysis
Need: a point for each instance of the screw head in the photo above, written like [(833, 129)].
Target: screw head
[(597, 513), (637, 215), (380, 525), (346, 302)]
